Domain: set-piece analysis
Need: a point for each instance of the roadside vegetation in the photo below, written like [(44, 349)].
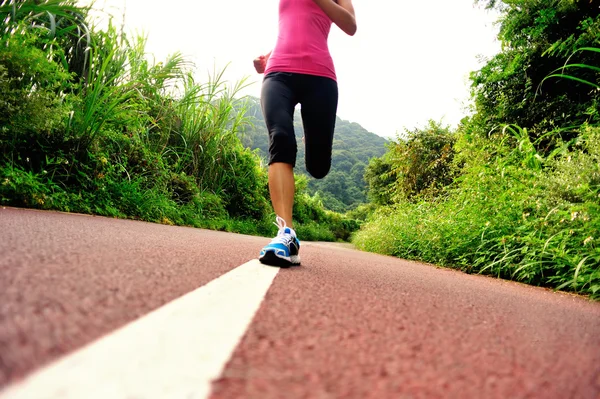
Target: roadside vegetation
[(89, 123), (514, 191)]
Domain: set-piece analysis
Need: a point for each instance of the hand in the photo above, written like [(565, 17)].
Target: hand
[(260, 63)]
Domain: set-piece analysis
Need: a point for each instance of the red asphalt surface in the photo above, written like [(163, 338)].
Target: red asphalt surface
[(346, 324)]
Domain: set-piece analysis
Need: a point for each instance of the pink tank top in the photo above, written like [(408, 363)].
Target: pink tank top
[(302, 41)]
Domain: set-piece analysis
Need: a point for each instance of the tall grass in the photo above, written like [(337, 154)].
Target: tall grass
[(207, 128), (62, 22), (561, 73), (129, 125)]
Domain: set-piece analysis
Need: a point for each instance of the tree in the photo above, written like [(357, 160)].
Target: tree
[(422, 164), (380, 180), (537, 37)]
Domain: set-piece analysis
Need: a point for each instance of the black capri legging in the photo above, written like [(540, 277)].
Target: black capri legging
[(318, 96)]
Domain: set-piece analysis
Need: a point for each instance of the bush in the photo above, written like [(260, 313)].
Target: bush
[(520, 197), (34, 106), (417, 165), (535, 224)]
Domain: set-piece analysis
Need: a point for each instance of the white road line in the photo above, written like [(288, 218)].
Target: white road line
[(172, 352)]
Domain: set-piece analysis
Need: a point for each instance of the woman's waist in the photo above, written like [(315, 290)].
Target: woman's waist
[(308, 64)]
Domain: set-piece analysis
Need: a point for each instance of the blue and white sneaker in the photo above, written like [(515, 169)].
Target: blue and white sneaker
[(283, 250)]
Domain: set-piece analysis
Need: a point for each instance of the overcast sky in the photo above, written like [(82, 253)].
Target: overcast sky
[(408, 62)]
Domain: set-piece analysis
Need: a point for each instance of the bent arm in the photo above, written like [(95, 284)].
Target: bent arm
[(341, 13), (260, 63)]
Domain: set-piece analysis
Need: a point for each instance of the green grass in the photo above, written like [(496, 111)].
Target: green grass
[(512, 214)]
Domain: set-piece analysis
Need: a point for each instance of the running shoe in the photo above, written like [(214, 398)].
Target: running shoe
[(283, 250)]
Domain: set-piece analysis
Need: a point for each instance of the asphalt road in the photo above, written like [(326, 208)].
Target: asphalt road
[(346, 324)]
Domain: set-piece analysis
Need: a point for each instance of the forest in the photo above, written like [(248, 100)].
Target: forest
[(89, 124)]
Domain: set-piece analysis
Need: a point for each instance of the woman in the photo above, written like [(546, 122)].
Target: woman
[(299, 70)]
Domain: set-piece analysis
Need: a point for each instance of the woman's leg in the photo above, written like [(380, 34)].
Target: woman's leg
[(278, 101), (319, 107), (282, 188)]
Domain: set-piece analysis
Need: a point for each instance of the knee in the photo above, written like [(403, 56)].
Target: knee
[(318, 171), (283, 147), (283, 143), (280, 138)]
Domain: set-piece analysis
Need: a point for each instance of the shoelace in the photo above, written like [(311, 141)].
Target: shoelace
[(282, 238), (280, 223), (285, 239)]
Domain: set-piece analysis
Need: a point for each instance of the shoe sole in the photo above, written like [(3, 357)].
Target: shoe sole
[(271, 259)]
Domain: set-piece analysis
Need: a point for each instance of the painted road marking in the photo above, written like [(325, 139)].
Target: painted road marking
[(172, 352)]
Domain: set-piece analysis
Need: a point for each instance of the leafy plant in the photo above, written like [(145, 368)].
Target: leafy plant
[(564, 75), (537, 37)]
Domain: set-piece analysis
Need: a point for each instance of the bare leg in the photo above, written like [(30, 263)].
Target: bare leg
[(281, 187)]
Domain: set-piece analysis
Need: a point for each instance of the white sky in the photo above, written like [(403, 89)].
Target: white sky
[(408, 62)]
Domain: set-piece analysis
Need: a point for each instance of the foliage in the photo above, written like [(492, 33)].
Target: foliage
[(507, 217), (32, 110), (380, 179), (100, 129), (60, 26), (576, 67), (419, 164), (314, 221), (537, 37)]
